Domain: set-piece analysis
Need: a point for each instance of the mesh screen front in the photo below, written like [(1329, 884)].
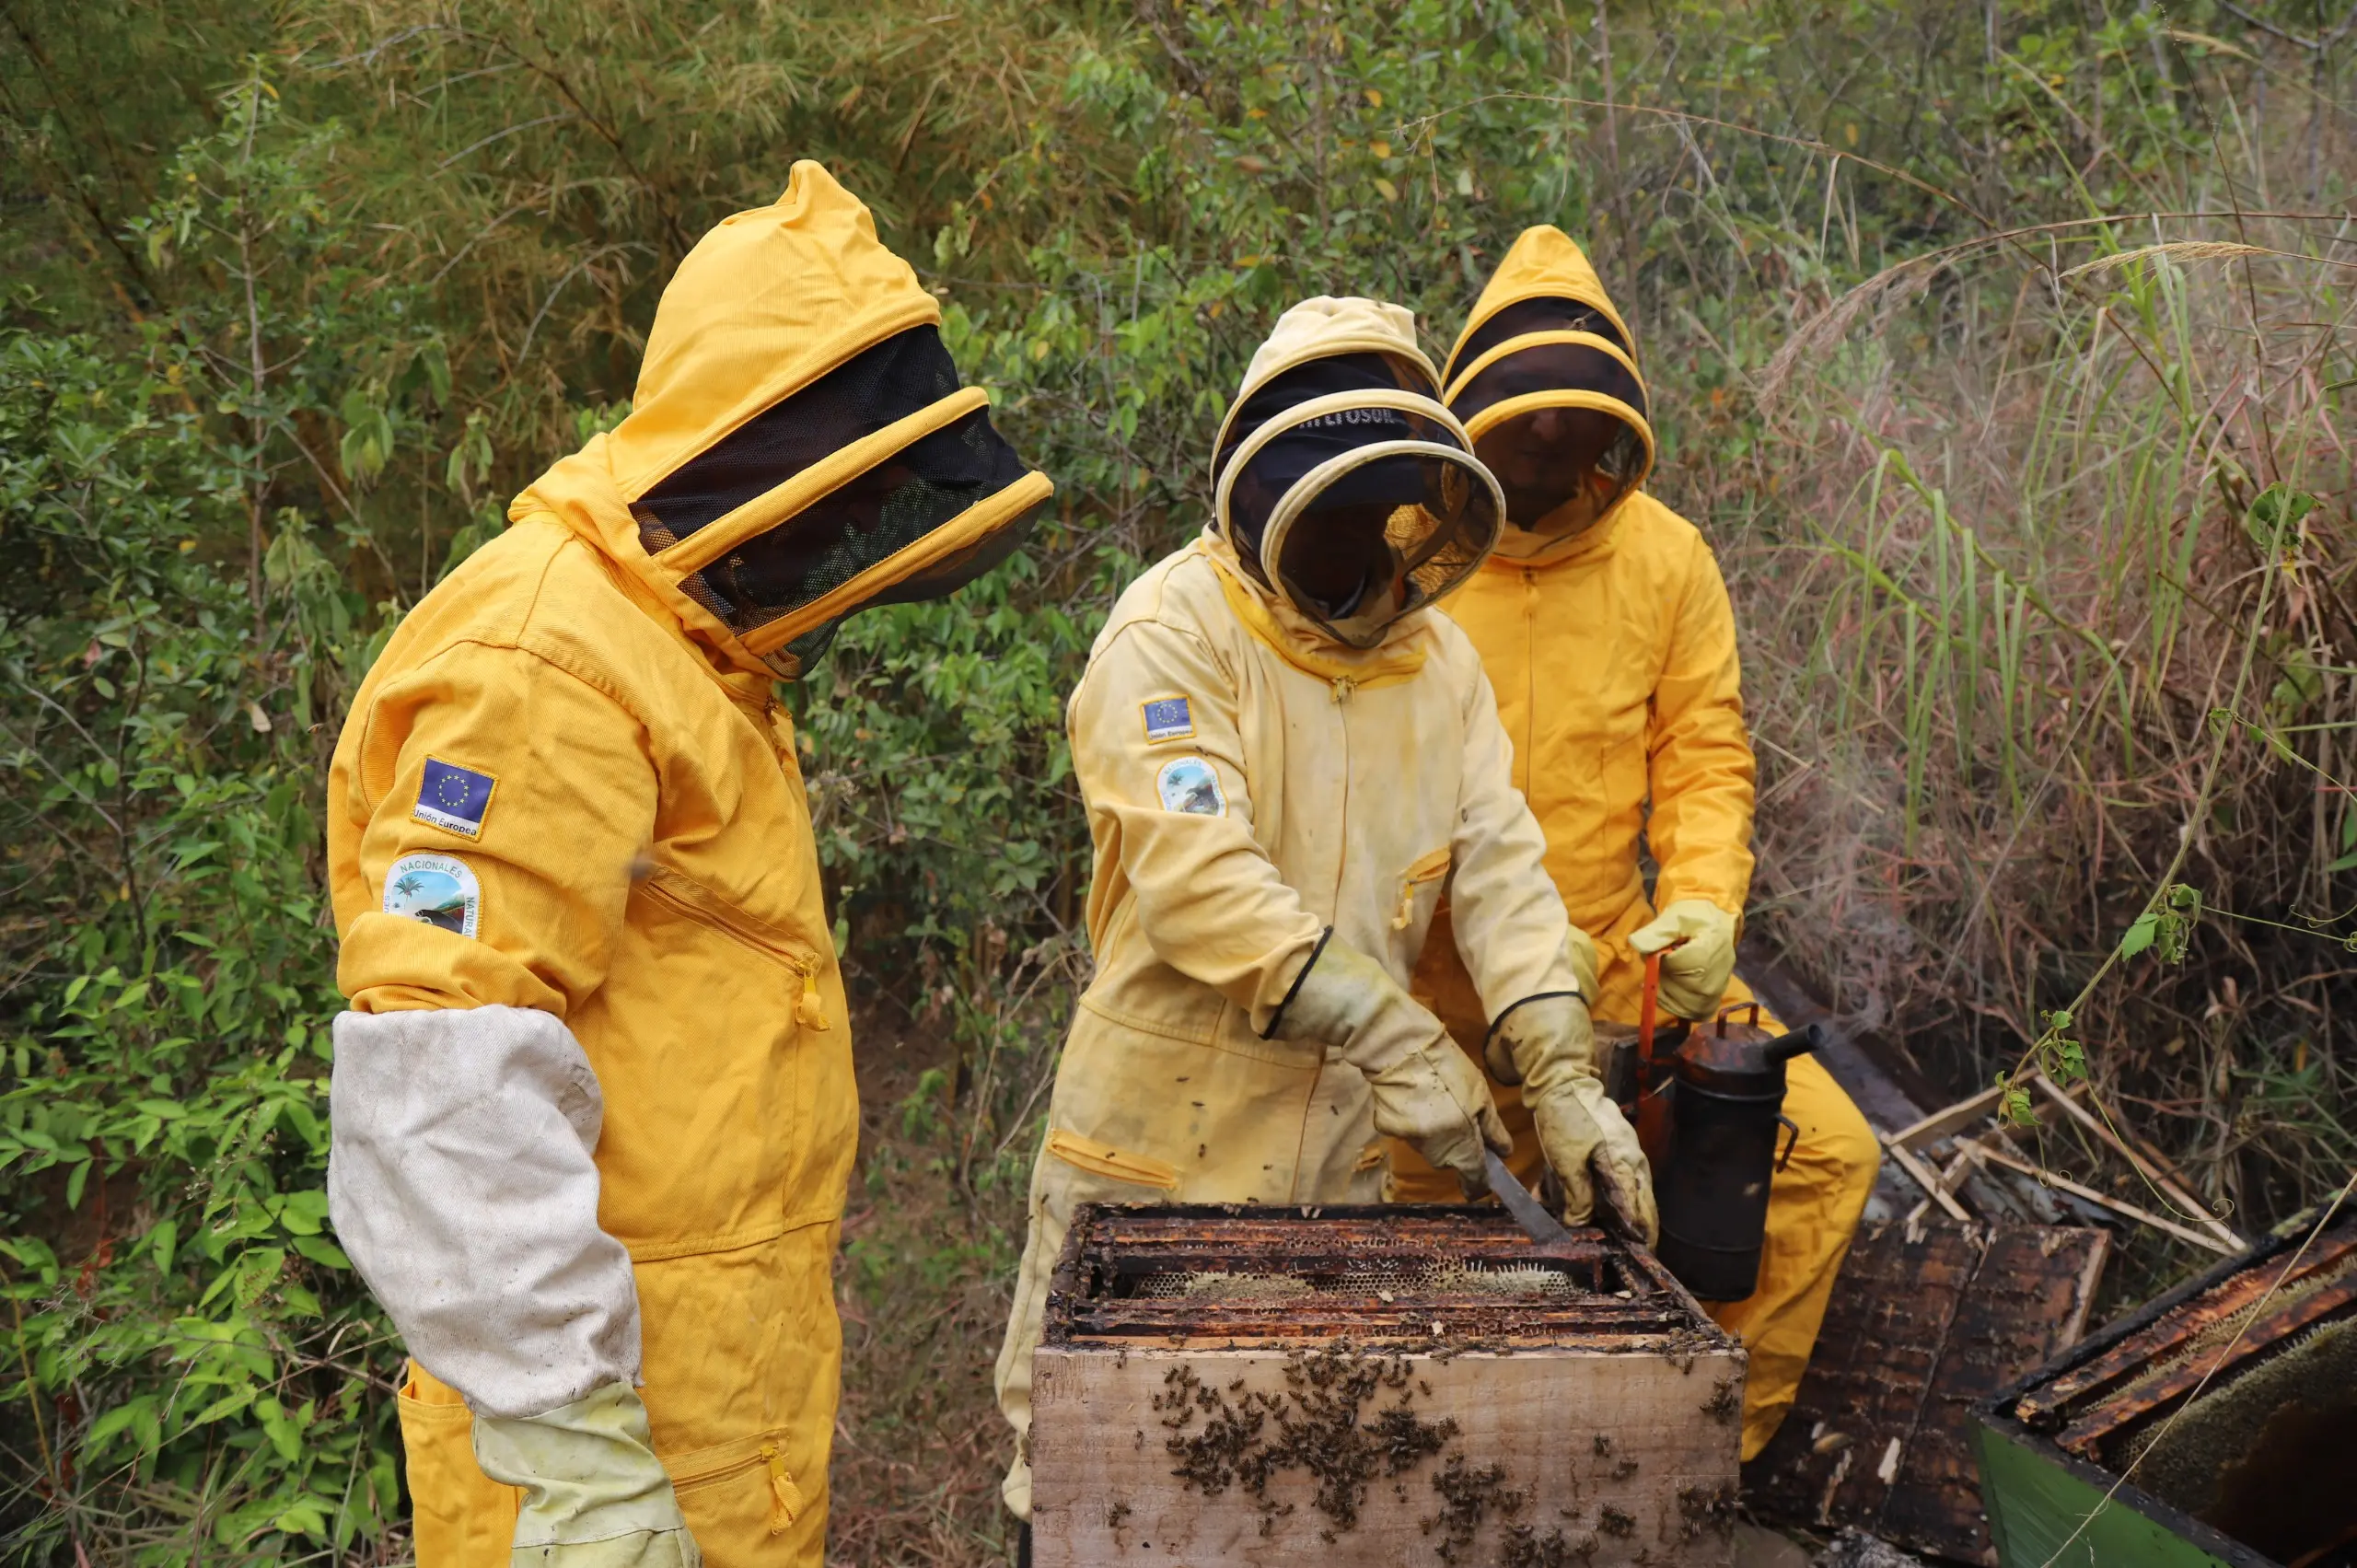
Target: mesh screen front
[(1543, 460), (1546, 458), (906, 372), (1389, 537), (1548, 367), (866, 520), (1277, 467), (1536, 316)]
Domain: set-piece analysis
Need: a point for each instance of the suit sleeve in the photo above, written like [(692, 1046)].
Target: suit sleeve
[(1179, 812), (1699, 761), (1508, 920), (504, 801)]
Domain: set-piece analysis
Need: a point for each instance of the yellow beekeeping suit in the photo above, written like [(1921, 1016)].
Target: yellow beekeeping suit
[(1260, 795), (1612, 652), (567, 834)]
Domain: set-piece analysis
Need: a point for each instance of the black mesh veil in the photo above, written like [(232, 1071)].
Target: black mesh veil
[(860, 523), (1353, 534), (1582, 437)]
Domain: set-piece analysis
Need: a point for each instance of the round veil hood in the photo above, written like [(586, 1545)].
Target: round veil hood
[(799, 446), (1342, 483), (1545, 378)]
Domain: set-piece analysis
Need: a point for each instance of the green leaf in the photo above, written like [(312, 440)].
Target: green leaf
[(304, 1519), (285, 1435), (2278, 510), (2139, 936), (162, 1238), (256, 1270), (227, 1404), (323, 1252), (303, 1213), (138, 1412)]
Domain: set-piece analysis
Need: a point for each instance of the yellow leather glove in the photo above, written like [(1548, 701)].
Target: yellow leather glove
[(1696, 940), (1426, 1090), (1548, 1046), (595, 1495)]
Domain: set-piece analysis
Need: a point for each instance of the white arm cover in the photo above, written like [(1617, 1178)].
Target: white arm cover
[(460, 1184)]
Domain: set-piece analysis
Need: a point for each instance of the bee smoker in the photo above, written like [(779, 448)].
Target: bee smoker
[(1707, 1106)]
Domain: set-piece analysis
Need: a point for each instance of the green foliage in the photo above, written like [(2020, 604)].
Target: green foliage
[(2165, 929), (202, 1375)]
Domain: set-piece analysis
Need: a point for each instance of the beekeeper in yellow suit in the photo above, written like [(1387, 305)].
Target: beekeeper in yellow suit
[(592, 1104), (1287, 760), (1605, 628)]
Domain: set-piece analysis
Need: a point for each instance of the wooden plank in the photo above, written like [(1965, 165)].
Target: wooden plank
[(1834, 1459), (2023, 1307), (1600, 1458), (1922, 1324), (2101, 1200), (1948, 1120), (1926, 1177), (2160, 1179), (2164, 1337)]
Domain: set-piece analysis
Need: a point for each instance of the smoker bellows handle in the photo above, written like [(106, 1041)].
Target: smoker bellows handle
[(1800, 1042)]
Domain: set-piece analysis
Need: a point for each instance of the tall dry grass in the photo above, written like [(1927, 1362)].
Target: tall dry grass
[(2065, 624)]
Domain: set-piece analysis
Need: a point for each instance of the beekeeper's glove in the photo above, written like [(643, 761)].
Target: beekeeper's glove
[(1696, 940), (1548, 1046), (1426, 1090), (595, 1495)]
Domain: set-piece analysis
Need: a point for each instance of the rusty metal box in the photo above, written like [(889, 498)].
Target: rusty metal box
[(1375, 1386)]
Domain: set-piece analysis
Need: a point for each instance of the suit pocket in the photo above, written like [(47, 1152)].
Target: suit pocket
[(689, 899), (1420, 889), (739, 1497), (460, 1517), (1103, 1159)]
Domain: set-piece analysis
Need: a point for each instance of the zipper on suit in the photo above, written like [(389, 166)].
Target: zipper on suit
[(1530, 677), (785, 1498), (1343, 686), (691, 900)]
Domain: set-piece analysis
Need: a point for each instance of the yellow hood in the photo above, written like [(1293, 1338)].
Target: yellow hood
[(1545, 336), (1544, 263), (766, 305)]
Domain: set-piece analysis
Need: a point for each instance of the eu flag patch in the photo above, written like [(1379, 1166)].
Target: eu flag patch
[(1167, 718), (454, 799)]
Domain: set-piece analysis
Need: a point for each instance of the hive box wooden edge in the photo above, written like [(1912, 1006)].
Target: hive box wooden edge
[(1596, 1450)]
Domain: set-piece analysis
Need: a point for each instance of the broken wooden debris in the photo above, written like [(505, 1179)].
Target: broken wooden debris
[(1991, 1154), (1856, 1548), (1924, 1322), (1951, 1132)]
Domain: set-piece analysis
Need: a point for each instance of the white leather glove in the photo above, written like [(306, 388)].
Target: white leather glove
[(1696, 940), (595, 1495), (1581, 950), (1426, 1090), (1548, 1045)]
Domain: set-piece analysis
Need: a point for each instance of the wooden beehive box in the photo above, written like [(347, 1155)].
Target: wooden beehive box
[(2217, 1426), (1375, 1386)]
